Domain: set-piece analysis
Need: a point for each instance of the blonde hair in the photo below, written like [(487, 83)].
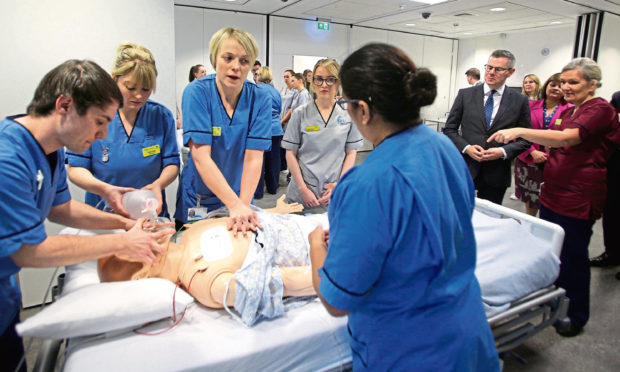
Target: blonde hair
[(136, 59), (265, 75), (332, 66), (244, 38), (537, 81)]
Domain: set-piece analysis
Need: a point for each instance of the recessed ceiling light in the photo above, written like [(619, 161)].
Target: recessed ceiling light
[(230, 1), (556, 22), (410, 24), (467, 33), (497, 9)]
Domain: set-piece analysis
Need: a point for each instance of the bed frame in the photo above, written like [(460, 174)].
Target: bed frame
[(524, 319)]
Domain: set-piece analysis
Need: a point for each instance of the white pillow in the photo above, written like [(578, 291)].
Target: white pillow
[(106, 307)]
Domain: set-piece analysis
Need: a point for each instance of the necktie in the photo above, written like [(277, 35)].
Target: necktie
[(488, 108)]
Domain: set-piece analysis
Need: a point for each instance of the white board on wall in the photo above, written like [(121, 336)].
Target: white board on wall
[(301, 63)]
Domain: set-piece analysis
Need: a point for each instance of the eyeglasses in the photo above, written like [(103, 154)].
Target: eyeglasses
[(497, 69), (344, 103), (328, 80)]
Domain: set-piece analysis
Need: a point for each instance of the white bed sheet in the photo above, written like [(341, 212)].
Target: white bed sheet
[(512, 262)]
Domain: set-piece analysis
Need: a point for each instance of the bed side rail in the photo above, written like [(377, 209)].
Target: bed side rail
[(527, 317), (542, 229)]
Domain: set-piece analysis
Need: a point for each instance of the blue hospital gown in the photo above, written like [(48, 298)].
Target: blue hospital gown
[(401, 259)]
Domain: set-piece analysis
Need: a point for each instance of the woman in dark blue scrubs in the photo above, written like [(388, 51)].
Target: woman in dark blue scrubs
[(402, 252), (227, 127), (140, 150)]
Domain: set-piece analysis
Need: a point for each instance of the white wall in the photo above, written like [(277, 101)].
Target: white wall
[(609, 56), (297, 37), (526, 46), (289, 37), (193, 30), (37, 35)]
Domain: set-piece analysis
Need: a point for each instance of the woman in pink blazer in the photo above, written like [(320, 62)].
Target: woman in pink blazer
[(530, 164)]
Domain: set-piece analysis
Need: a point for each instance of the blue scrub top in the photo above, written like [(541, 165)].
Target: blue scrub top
[(135, 159), (276, 107), (401, 259), (206, 122), (30, 184)]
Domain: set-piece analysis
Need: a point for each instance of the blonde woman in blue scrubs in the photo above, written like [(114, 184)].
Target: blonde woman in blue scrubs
[(140, 150), (227, 127)]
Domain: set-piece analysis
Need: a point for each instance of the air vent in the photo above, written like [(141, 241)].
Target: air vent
[(463, 15)]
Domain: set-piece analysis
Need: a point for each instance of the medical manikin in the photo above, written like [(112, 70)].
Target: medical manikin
[(253, 273)]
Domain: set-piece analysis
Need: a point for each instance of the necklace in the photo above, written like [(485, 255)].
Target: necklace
[(547, 118)]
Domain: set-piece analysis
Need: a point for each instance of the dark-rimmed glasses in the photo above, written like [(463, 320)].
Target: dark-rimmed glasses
[(344, 103), (497, 69), (330, 80)]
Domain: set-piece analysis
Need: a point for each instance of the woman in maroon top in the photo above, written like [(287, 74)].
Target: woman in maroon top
[(573, 194), (529, 166)]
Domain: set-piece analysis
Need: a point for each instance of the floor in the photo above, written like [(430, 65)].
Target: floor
[(597, 349)]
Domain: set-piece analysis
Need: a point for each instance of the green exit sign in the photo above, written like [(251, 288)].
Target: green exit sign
[(323, 26)]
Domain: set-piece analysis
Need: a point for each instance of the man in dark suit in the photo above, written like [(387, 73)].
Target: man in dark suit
[(480, 111)]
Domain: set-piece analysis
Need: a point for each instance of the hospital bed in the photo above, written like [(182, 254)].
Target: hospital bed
[(517, 263)]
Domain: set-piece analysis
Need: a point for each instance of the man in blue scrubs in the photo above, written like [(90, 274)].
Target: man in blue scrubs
[(72, 107)]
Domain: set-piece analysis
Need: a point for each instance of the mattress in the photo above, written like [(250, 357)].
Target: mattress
[(516, 256)]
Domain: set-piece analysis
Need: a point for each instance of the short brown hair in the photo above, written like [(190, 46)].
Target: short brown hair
[(84, 81)]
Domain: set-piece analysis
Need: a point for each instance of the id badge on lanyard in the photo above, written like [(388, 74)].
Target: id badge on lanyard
[(198, 212)]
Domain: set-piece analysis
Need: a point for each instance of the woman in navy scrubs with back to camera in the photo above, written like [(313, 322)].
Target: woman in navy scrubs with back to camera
[(402, 251)]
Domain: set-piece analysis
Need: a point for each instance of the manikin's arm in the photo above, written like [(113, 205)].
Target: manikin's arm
[(297, 281)]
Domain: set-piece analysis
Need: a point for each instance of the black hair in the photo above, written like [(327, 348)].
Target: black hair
[(384, 77), (257, 63), (84, 81)]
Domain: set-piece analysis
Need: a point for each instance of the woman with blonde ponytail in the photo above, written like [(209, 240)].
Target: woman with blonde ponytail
[(140, 150)]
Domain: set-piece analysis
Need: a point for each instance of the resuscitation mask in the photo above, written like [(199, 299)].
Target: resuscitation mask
[(140, 203)]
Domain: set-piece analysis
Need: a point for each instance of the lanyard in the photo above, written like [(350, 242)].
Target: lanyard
[(547, 119)]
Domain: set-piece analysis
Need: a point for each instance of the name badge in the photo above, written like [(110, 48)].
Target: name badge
[(312, 128), (150, 151), (217, 131), (558, 121)]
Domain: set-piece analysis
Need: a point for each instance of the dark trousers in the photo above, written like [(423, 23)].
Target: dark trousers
[(574, 267), (11, 348), (493, 194), (272, 164), (611, 215), (270, 174), (283, 164)]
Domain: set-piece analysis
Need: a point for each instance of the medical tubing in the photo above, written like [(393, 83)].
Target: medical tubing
[(174, 313)]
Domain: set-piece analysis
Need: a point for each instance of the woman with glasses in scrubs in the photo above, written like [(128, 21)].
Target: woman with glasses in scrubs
[(402, 251), (140, 150), (320, 141), (227, 127)]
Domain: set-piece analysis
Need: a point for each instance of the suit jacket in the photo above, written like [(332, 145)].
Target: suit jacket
[(467, 113)]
